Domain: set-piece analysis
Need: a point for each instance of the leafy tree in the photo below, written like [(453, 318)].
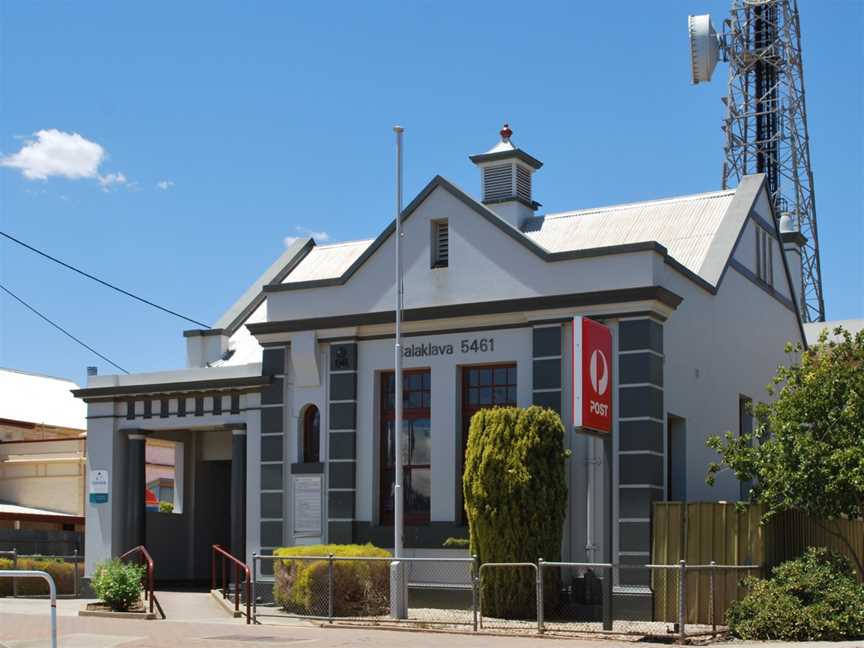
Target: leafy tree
[(515, 497), (807, 451)]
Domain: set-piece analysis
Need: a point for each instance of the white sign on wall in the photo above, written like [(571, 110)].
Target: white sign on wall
[(307, 505), (98, 486)]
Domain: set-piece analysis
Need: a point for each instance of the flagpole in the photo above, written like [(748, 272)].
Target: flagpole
[(398, 391), (398, 590)]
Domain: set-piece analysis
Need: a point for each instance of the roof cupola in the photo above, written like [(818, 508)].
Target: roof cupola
[(505, 173)]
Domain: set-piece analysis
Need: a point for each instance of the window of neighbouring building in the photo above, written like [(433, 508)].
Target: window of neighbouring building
[(416, 445), (310, 440), (163, 490)]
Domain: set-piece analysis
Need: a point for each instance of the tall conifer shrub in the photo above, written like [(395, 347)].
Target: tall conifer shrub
[(515, 494)]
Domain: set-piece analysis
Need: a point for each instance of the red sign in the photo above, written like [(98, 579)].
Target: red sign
[(592, 375)]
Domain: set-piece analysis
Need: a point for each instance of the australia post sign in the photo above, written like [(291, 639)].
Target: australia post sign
[(592, 375)]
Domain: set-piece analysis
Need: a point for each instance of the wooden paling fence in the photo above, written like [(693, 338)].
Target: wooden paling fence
[(702, 532)]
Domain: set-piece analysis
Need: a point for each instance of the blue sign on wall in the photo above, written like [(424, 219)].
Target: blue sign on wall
[(98, 498)]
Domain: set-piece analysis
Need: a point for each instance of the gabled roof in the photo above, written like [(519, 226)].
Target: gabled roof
[(685, 226), (252, 298), (695, 234)]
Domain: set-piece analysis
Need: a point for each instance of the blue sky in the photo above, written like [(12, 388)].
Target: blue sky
[(269, 120)]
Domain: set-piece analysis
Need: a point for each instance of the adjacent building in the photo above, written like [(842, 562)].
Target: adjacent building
[(283, 420), (42, 460)]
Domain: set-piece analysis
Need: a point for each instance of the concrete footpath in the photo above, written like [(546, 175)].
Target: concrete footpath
[(196, 620)]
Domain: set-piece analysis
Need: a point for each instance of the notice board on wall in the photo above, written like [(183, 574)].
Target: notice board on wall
[(307, 505)]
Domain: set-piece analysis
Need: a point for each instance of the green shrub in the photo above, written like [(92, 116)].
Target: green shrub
[(62, 572), (515, 492), (815, 597), (166, 507), (118, 584), (457, 543), (360, 588)]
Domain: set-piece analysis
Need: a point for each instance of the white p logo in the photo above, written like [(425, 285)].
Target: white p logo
[(599, 372)]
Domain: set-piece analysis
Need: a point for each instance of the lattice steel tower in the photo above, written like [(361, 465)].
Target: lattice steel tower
[(766, 116)]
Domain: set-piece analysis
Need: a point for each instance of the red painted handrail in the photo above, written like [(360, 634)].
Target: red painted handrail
[(149, 594), (238, 565)]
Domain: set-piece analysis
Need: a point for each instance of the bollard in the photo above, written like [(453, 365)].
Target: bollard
[(540, 595), (330, 588)]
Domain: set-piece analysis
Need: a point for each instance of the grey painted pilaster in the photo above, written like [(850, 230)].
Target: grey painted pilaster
[(341, 456), (273, 487), (640, 433), (547, 352), (136, 519), (238, 491)]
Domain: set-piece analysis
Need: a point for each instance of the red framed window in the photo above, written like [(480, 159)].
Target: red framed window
[(484, 387), (311, 435), (416, 445)]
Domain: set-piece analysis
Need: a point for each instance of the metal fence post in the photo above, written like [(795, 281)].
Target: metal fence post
[(540, 595), (607, 599), (712, 596), (75, 590), (14, 567), (254, 588), (330, 588), (682, 597), (475, 575)]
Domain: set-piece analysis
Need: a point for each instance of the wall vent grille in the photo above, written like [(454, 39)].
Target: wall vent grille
[(440, 244)]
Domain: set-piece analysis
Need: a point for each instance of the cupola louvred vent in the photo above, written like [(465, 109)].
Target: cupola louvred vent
[(497, 182), (506, 179)]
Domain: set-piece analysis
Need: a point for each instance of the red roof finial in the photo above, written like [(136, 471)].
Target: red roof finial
[(506, 133)]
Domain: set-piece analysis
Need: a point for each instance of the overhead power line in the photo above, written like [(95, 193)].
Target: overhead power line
[(101, 281), (59, 328)]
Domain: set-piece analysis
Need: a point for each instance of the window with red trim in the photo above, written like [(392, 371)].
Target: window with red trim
[(311, 450), (416, 445)]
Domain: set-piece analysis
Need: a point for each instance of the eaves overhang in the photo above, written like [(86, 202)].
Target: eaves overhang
[(546, 302), (245, 383)]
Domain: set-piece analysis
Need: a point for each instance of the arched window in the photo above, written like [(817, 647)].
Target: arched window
[(311, 437)]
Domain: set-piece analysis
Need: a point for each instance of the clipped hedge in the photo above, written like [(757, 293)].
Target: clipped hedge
[(360, 588), (815, 597), (62, 572), (515, 492)]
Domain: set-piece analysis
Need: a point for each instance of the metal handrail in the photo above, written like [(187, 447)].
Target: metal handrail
[(149, 593), (238, 565), (52, 592)]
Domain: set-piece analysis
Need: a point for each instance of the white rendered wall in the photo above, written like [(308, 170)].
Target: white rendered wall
[(717, 348)]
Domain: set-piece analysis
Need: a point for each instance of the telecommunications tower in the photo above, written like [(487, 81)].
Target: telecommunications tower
[(765, 126)]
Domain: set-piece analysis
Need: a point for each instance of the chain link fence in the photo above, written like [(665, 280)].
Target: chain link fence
[(675, 601)]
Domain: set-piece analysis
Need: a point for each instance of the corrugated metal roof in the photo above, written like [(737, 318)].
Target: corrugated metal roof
[(327, 261), (685, 226), (43, 400)]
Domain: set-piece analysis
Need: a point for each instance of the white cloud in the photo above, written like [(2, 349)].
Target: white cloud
[(165, 185), (320, 237), (65, 155), (110, 179)]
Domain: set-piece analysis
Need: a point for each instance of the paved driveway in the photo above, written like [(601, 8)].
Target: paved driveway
[(195, 620)]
